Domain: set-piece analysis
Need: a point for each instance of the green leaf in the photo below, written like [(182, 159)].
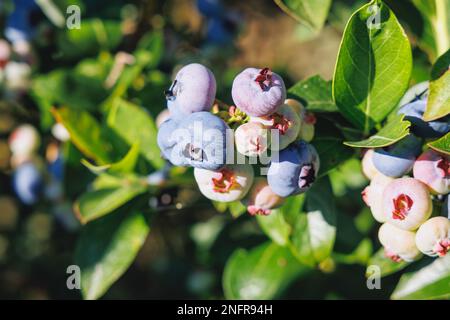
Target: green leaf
[(311, 13), (275, 227), (430, 282), (315, 93), (260, 273), (438, 104), (373, 66), (386, 265), (133, 124), (395, 130), (93, 36), (85, 132), (292, 208), (360, 255), (442, 144), (106, 249), (315, 231), (434, 37), (125, 165), (95, 204), (46, 90), (331, 153), (441, 66)]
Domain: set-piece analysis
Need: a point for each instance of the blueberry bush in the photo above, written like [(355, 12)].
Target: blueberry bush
[(149, 150)]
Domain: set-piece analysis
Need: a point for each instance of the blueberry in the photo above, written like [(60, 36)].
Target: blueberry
[(28, 183), (210, 8), (230, 183), (193, 90), (416, 92), (24, 140), (258, 92), (198, 141), (251, 139), (433, 169), (287, 121), (218, 33), (295, 169), (433, 237), (261, 199), (398, 159), (165, 137), (399, 244), (19, 24), (414, 113), (5, 53), (406, 203)]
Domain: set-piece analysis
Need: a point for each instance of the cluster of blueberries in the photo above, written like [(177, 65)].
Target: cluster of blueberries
[(16, 54), (33, 178), (222, 142), (402, 203)]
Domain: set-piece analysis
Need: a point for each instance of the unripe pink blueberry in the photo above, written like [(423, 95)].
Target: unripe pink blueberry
[(5, 53), (251, 139), (193, 90), (262, 199), (17, 76), (308, 120), (287, 121), (228, 184), (407, 203), (24, 140), (258, 92), (373, 196), (60, 132), (433, 237), (398, 244), (433, 169), (368, 168), (307, 128)]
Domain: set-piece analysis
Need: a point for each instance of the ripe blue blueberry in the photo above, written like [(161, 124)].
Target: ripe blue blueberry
[(193, 90), (28, 183), (414, 113), (218, 32), (295, 169), (198, 141), (398, 159), (210, 8), (165, 138)]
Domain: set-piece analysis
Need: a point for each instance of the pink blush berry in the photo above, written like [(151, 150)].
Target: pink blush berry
[(399, 244), (368, 167), (230, 183), (286, 121), (433, 169), (251, 139), (433, 237), (373, 196), (407, 203), (262, 199), (258, 92), (5, 53)]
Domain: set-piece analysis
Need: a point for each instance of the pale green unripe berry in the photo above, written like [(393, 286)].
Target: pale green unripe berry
[(433, 237), (399, 244)]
